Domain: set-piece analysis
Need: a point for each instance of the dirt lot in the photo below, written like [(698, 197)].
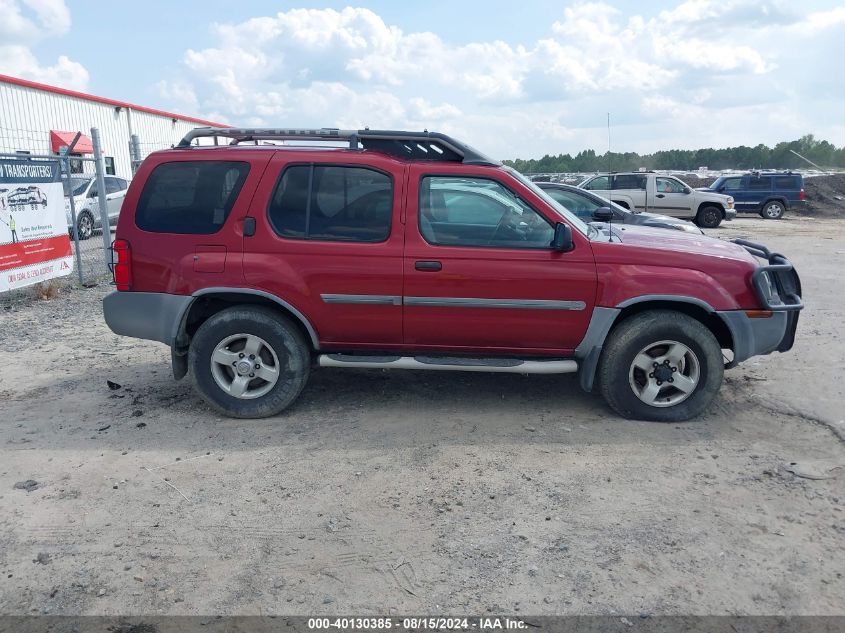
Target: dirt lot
[(420, 492)]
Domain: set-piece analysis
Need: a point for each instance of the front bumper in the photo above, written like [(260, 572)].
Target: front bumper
[(776, 333), (730, 214)]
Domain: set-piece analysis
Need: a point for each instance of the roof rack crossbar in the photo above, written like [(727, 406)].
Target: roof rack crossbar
[(406, 144)]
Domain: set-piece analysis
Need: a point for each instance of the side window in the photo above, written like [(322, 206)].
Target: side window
[(109, 161), (786, 182), (668, 185), (763, 183), (112, 185), (332, 203), (478, 212), (601, 183), (581, 206), (629, 181), (190, 197), (732, 184)]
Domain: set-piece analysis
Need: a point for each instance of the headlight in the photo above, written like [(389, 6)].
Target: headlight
[(770, 291), (730, 202)]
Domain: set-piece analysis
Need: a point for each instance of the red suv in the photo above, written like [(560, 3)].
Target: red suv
[(255, 260)]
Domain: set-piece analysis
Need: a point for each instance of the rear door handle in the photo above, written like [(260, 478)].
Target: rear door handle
[(428, 266)]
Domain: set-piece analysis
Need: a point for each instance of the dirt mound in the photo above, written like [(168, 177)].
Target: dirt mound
[(825, 196)]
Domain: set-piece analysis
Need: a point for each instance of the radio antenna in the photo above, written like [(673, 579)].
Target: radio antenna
[(609, 176)]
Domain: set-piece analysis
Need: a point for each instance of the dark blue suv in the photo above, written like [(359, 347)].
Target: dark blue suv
[(769, 193)]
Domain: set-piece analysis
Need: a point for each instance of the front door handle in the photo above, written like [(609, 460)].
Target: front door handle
[(660, 195), (428, 266)]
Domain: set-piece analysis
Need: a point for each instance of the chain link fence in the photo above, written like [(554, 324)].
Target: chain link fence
[(92, 199)]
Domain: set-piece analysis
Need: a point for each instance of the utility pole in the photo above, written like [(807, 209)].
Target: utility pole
[(808, 160)]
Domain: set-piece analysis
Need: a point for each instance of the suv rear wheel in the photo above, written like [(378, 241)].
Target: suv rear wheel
[(249, 362), (660, 365), (709, 217), (772, 210)]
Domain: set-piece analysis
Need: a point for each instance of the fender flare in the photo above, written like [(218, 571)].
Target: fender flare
[(180, 324), (602, 321)]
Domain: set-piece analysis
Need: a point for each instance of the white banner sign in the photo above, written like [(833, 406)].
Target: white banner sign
[(34, 242)]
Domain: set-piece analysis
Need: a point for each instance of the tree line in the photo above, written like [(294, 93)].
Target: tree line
[(822, 153)]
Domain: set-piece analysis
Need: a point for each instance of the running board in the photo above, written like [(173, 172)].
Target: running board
[(499, 365)]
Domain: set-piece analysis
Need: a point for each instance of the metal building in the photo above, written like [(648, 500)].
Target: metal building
[(36, 118)]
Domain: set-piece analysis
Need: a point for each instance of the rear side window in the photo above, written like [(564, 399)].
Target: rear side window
[(786, 182), (332, 203), (113, 185), (190, 197), (763, 183), (629, 181)]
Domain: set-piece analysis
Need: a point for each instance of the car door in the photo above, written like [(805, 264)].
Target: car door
[(115, 193), (759, 191), (479, 274), (671, 198), (737, 187), (328, 241)]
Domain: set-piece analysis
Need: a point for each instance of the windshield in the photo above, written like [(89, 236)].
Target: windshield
[(566, 213), (78, 185)]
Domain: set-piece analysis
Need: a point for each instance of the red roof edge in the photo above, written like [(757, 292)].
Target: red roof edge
[(26, 83)]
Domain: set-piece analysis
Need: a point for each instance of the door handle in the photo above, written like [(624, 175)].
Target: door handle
[(660, 195), (429, 266), (249, 227)]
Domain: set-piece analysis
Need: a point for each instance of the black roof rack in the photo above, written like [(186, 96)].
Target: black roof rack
[(411, 145)]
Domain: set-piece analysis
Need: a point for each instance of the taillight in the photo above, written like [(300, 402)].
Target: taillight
[(122, 264), (802, 195)]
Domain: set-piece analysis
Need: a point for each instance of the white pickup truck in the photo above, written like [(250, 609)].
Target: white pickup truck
[(657, 193)]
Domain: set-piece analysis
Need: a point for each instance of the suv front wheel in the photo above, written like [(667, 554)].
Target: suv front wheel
[(660, 365), (249, 362)]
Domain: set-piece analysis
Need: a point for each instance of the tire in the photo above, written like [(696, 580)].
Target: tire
[(621, 377), (709, 217), (227, 336), (85, 225), (772, 210)]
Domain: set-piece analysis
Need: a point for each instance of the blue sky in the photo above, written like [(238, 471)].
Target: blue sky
[(514, 78)]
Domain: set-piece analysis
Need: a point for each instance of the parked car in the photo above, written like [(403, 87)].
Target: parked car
[(87, 203), (650, 192), (592, 208), (768, 193), (412, 250)]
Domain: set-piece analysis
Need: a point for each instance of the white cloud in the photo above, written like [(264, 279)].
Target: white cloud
[(25, 24), (697, 60)]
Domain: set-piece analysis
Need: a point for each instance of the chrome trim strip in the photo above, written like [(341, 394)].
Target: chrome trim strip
[(471, 302), (525, 366), (362, 299)]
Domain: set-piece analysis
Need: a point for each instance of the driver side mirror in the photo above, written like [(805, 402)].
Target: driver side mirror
[(603, 214), (687, 190), (92, 193), (562, 241)]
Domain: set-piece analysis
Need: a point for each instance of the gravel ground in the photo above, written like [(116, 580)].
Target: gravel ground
[(420, 492)]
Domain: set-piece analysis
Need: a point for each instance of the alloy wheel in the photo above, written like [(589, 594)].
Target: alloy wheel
[(664, 374)]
